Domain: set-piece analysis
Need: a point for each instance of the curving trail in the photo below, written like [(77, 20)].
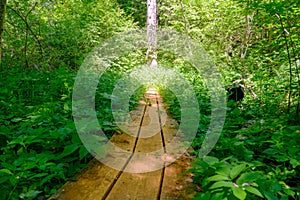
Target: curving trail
[(152, 176)]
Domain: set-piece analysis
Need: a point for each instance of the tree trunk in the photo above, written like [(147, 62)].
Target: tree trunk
[(2, 20), (151, 33)]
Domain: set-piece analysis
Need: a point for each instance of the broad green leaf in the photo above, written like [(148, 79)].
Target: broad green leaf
[(225, 171), (269, 196), (221, 184), (202, 196), (289, 192), (38, 175), (294, 162), (239, 193), (294, 128), (210, 160), (217, 178), (31, 194), (17, 119), (270, 151), (254, 191), (7, 171), (236, 170), (82, 152), (46, 179), (217, 196), (247, 178), (69, 150), (76, 139)]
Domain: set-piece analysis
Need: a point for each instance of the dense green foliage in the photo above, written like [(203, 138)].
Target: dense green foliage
[(264, 145), (258, 153), (52, 34), (45, 42), (40, 148), (37, 133), (135, 8)]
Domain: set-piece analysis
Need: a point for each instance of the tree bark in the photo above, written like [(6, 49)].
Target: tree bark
[(2, 20), (151, 33)]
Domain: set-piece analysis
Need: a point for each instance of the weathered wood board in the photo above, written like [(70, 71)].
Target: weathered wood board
[(166, 182)]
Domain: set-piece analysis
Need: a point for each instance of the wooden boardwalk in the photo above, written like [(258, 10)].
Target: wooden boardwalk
[(166, 182)]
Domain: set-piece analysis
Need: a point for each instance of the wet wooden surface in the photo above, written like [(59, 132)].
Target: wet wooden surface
[(166, 182)]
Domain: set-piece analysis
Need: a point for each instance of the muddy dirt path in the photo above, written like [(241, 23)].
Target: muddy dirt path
[(150, 168)]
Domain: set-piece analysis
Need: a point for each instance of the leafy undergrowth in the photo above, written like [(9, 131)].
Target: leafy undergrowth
[(257, 155), (253, 159), (39, 146)]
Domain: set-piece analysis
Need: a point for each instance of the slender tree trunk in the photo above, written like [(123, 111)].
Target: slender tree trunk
[(285, 33), (151, 33), (2, 20)]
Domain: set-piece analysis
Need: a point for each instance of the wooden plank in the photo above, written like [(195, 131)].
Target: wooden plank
[(94, 181), (137, 186), (177, 184), (143, 186), (99, 181)]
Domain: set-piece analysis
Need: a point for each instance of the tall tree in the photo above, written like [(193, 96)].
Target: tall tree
[(151, 32), (2, 19)]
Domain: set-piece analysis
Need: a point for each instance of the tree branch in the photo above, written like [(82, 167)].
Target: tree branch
[(24, 19)]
